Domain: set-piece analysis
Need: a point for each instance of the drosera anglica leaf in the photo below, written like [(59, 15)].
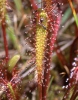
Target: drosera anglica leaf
[(41, 35), (12, 62)]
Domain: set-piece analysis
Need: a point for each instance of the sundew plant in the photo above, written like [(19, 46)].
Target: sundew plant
[(38, 50)]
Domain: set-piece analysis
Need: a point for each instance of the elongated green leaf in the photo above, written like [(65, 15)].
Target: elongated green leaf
[(11, 34), (13, 61), (11, 90), (18, 4), (74, 12), (67, 14)]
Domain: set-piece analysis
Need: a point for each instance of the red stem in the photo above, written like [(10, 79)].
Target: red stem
[(34, 5), (76, 30), (49, 49), (46, 76), (5, 39), (40, 87), (60, 55)]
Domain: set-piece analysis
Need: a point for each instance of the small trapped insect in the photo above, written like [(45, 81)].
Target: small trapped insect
[(42, 20)]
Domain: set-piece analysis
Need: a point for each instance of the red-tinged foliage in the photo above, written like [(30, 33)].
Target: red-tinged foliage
[(73, 54), (13, 80), (60, 55), (73, 84), (53, 27), (34, 5), (54, 18), (61, 1), (46, 77), (56, 26)]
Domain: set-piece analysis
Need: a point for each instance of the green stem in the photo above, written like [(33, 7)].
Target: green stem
[(74, 12), (11, 90)]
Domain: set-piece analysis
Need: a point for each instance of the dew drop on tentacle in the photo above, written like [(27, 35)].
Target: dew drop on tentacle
[(67, 79)]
